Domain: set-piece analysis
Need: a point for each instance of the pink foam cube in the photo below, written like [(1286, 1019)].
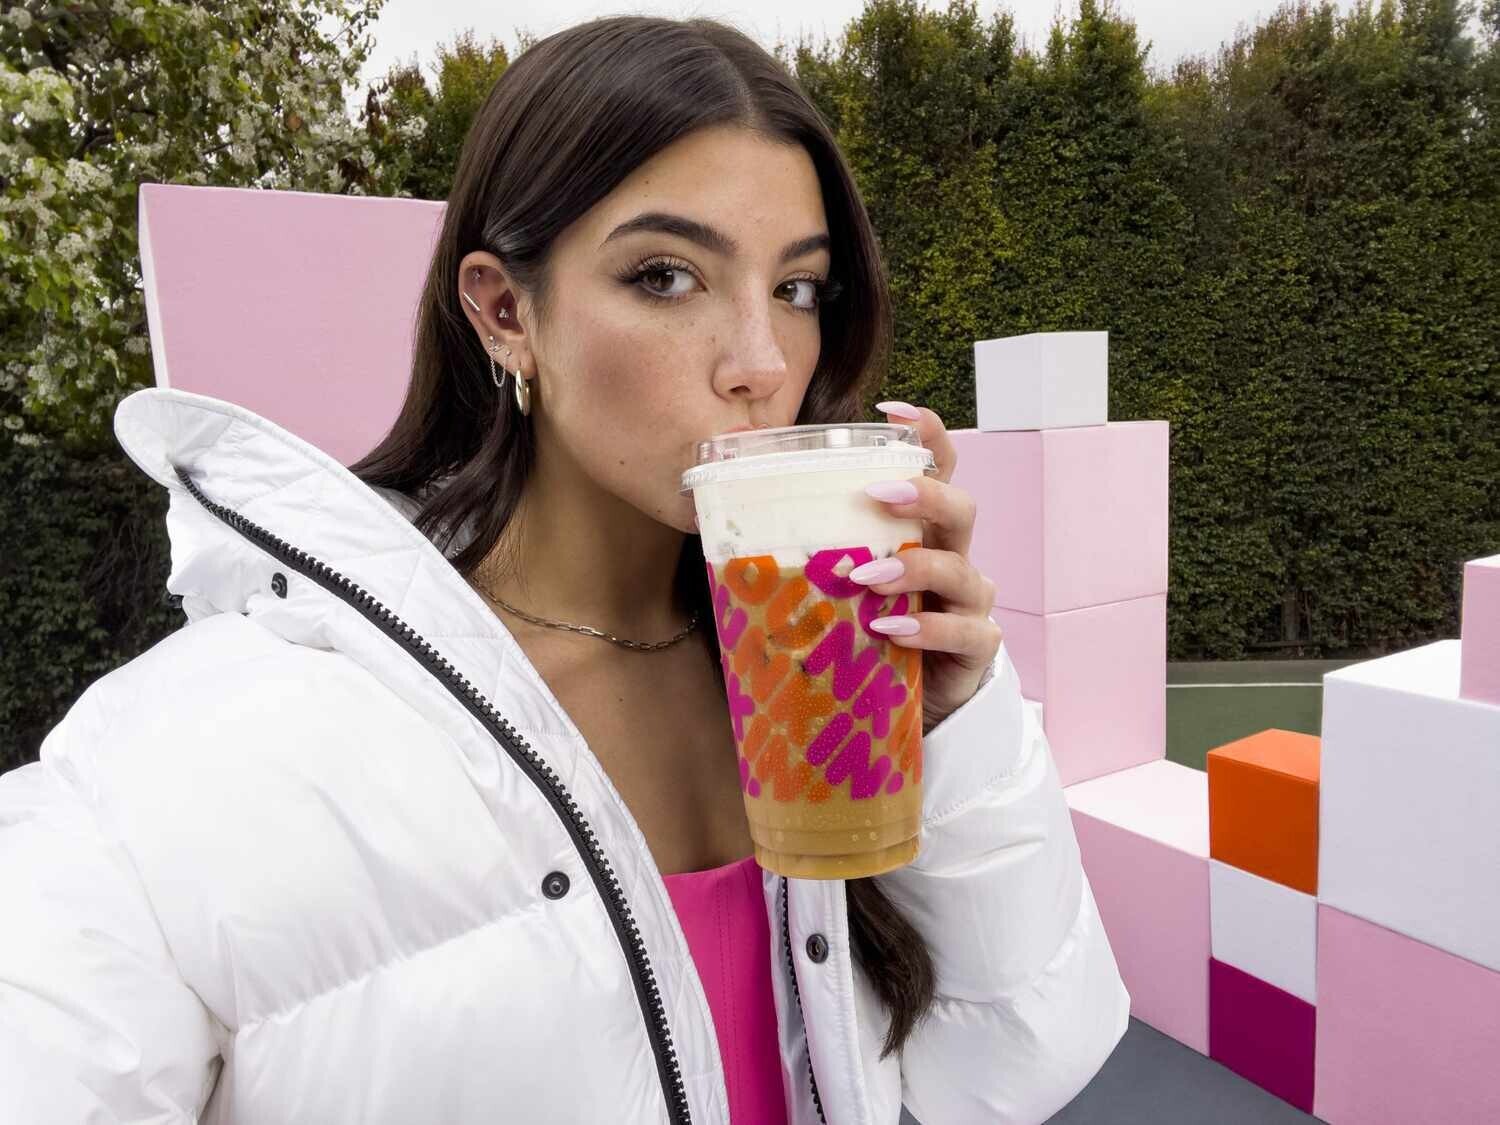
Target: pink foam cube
[(318, 336), (1479, 661), (1262, 1033), (1143, 835), (1407, 1034), (1101, 675), (1068, 518)]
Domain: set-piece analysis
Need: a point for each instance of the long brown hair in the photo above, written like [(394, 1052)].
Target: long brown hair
[(570, 119)]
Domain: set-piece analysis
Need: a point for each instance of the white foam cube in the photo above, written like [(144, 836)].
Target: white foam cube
[(1409, 802), (1264, 928), (1042, 381)]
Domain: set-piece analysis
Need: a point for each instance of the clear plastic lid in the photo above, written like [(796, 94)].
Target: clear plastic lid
[(804, 449)]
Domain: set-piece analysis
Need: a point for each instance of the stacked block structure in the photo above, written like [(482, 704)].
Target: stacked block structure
[(1071, 526), (1319, 914), (1263, 883), (1409, 881)]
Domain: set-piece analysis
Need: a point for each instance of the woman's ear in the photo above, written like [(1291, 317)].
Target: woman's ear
[(489, 300)]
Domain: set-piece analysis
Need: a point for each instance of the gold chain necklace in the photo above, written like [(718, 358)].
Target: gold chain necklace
[(641, 646)]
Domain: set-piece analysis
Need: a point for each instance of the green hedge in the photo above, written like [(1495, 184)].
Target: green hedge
[(1295, 247), (82, 582)]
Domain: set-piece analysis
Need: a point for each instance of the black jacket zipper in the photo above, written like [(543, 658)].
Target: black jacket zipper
[(791, 968), (668, 1068)]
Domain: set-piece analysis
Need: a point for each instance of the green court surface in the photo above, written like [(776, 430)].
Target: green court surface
[(1211, 703)]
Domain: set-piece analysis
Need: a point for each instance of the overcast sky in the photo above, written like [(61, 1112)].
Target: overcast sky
[(414, 27)]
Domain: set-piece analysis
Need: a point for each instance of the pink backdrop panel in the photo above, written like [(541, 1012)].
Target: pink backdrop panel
[(295, 305)]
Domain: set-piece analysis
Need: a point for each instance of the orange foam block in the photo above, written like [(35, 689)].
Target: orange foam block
[(1263, 807)]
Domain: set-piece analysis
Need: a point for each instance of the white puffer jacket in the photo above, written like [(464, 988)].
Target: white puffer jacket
[(333, 852)]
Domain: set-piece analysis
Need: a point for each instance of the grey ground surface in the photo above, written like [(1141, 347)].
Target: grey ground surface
[(1152, 1079)]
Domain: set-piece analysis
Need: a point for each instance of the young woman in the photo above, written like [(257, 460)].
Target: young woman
[(428, 812)]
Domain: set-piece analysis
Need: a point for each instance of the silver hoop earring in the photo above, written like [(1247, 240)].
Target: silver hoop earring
[(523, 393)]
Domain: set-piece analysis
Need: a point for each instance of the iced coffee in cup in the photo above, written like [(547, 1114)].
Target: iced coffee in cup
[(826, 712)]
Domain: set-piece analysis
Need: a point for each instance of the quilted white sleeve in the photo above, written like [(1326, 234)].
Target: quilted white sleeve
[(96, 1025), (1030, 1002)]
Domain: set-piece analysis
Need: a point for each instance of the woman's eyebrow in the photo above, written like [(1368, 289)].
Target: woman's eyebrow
[(707, 236)]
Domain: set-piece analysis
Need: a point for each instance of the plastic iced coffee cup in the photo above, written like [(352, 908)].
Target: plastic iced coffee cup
[(826, 712)]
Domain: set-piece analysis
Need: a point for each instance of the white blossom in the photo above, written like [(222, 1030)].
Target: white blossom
[(249, 63), (82, 176), (69, 246)]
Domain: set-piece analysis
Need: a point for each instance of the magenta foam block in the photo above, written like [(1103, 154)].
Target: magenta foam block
[(1407, 1034), (318, 335), (1262, 1033)]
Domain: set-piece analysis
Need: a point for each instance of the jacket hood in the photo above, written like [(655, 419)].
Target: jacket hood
[(313, 512)]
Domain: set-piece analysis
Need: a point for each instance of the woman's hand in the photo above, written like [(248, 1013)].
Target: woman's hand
[(954, 626)]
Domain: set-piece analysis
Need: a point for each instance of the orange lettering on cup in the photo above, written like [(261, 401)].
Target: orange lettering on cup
[(753, 661), (787, 780), (799, 634), (755, 737), (797, 705), (748, 590)]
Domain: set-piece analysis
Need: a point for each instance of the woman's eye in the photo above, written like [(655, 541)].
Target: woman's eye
[(665, 280), (809, 293), (672, 274)]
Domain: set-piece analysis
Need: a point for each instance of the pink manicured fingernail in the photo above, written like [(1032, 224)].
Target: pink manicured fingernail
[(881, 570), (894, 491), (900, 410), (896, 626)]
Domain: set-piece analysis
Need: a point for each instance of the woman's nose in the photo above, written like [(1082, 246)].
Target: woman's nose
[(754, 357)]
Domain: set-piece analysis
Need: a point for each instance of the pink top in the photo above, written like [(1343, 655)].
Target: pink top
[(723, 914)]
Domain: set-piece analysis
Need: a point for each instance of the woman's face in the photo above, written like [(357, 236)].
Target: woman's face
[(656, 339)]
